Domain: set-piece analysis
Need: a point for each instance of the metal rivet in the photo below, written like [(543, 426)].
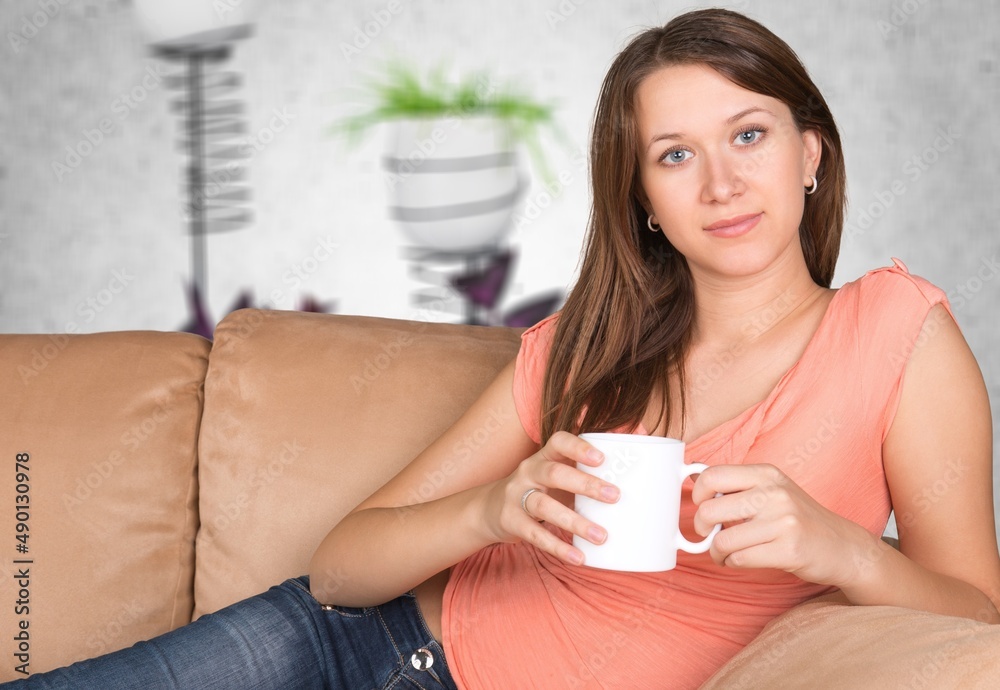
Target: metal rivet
[(422, 659), (326, 607)]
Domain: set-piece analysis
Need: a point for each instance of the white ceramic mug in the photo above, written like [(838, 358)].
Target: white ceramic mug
[(643, 525)]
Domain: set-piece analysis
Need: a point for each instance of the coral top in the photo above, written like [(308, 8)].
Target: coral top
[(516, 617)]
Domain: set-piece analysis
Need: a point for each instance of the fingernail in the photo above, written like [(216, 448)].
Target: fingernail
[(595, 454), (610, 492), (576, 557), (596, 534)]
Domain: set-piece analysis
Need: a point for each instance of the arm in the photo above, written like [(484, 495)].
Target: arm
[(938, 459), (451, 501), (938, 464)]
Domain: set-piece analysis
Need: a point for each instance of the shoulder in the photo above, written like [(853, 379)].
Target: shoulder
[(895, 285), (896, 313), (536, 342), (888, 305), (541, 331), (529, 373)]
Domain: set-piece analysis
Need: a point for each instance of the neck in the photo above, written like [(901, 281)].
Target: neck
[(732, 311)]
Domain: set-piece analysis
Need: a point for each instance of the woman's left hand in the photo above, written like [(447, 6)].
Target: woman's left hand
[(770, 522)]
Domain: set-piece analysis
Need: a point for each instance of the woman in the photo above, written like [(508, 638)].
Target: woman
[(702, 312)]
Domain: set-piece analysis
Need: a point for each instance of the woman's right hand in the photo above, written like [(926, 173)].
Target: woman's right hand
[(548, 470)]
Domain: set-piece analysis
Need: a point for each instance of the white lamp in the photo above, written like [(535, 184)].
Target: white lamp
[(199, 34), (193, 22)]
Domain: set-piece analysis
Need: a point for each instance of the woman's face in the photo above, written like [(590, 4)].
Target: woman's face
[(712, 153)]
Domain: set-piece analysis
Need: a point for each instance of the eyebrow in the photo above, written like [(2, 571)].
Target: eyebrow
[(731, 120)]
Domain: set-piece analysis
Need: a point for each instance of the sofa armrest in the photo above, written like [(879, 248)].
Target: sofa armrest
[(820, 644)]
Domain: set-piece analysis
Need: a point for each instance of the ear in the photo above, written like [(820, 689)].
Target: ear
[(812, 152), (643, 199)]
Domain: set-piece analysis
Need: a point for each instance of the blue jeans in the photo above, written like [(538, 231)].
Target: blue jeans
[(281, 638)]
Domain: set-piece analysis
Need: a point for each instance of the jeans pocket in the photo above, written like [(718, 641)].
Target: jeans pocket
[(420, 615), (302, 583), (404, 682), (349, 611)]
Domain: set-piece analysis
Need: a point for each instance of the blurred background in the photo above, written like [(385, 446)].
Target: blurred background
[(161, 165), (94, 186)]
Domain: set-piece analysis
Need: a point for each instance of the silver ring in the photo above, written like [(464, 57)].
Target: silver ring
[(524, 500)]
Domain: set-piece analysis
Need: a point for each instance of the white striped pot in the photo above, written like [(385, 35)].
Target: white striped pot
[(454, 182)]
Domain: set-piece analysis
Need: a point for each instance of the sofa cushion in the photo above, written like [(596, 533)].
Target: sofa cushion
[(831, 645), (305, 416), (109, 424)]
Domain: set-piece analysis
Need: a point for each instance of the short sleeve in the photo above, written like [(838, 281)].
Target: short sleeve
[(893, 306), (529, 374)]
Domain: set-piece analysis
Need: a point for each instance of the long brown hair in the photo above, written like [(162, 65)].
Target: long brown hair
[(627, 322)]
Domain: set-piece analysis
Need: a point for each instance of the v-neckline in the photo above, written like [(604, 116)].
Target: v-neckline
[(810, 346)]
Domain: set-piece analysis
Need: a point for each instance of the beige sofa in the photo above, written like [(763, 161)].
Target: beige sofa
[(167, 476)]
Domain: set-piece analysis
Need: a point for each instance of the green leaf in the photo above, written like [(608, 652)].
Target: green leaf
[(398, 92)]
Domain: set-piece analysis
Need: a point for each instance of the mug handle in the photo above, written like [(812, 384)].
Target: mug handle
[(706, 543)]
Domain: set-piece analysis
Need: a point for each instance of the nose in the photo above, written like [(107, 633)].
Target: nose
[(723, 178)]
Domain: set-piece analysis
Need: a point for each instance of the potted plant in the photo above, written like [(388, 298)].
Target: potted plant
[(452, 160)]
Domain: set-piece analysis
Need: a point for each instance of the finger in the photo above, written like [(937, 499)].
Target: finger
[(728, 509), (528, 496), (534, 533), (555, 513), (563, 445), (741, 537), (556, 475), (728, 479), (768, 555)]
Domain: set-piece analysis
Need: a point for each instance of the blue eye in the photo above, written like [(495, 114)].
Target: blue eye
[(675, 156), (751, 135)]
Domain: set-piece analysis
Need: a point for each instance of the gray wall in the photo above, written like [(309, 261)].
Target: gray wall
[(895, 73)]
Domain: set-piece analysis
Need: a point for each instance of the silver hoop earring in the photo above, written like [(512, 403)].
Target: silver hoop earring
[(649, 224), (814, 186)]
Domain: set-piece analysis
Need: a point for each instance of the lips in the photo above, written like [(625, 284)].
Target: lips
[(729, 222), (735, 226)]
